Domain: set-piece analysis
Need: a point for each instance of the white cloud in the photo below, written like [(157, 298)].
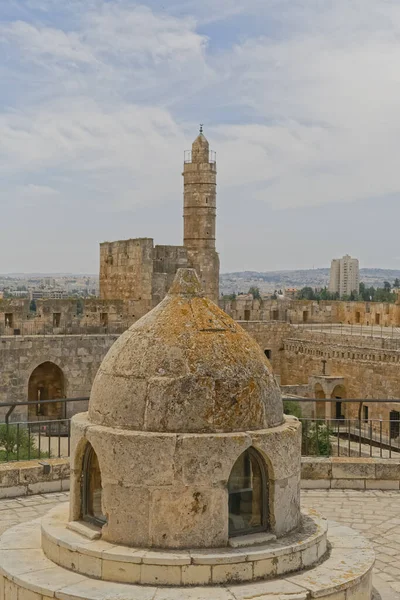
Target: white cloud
[(101, 96)]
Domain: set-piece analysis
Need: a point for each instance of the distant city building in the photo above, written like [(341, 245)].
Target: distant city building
[(19, 293), (344, 276), (49, 294), (290, 293)]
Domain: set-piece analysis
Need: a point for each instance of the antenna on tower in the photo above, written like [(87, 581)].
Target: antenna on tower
[(201, 127)]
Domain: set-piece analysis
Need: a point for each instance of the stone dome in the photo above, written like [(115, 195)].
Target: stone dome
[(186, 366)]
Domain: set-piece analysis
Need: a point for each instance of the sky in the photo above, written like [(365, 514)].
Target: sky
[(299, 98)]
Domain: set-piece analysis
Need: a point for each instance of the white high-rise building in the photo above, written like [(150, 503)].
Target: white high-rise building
[(344, 276)]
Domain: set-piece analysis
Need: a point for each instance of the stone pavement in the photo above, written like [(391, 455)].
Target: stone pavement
[(374, 513)]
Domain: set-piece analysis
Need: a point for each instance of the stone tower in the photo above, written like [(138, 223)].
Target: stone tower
[(199, 214)]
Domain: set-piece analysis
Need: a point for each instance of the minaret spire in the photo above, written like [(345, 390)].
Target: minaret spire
[(199, 214)]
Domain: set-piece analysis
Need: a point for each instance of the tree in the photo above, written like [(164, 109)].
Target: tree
[(255, 292), (386, 286), (396, 283), (306, 293), (32, 306)]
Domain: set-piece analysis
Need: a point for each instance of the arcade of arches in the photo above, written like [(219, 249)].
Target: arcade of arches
[(46, 382), (330, 410)]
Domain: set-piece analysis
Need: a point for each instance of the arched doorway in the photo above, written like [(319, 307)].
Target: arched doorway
[(92, 490), (339, 392), (248, 494), (46, 382), (320, 407)]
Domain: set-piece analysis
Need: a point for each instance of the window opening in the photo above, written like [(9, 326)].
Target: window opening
[(91, 489), (248, 493)]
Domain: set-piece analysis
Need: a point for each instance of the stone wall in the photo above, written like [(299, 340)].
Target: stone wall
[(309, 311), (31, 477), (350, 473), (73, 316), (78, 357), (126, 270), (167, 260), (270, 336)]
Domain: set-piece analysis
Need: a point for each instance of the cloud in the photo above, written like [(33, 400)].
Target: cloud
[(100, 98)]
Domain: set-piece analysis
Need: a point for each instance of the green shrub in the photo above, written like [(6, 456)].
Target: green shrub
[(291, 407), (316, 439), (17, 444)]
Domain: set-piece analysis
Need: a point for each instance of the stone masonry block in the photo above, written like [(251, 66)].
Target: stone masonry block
[(316, 468), (361, 468)]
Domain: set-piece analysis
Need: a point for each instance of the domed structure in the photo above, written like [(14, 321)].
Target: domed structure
[(186, 367), (187, 469), (185, 444)]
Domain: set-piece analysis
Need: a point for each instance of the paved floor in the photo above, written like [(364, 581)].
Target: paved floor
[(375, 513)]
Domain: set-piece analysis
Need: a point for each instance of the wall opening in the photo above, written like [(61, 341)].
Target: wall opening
[(56, 319), (377, 319), (365, 414), (9, 319), (339, 392), (247, 315), (46, 383), (104, 319), (394, 417), (305, 316), (358, 317), (275, 315), (248, 494), (92, 490), (268, 353)]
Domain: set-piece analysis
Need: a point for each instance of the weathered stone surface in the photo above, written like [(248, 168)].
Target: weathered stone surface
[(285, 498), (189, 517), (208, 459), (127, 511), (281, 447), (204, 372), (343, 468), (133, 458), (316, 469)]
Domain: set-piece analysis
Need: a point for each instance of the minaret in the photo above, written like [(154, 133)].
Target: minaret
[(199, 213)]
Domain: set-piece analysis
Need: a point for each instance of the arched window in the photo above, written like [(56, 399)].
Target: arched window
[(248, 495), (91, 488)]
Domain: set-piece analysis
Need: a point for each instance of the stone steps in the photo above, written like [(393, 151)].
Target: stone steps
[(27, 574), (111, 562)]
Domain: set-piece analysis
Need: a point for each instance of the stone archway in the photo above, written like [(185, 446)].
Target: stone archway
[(47, 382)]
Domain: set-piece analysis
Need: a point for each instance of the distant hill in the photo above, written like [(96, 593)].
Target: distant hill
[(234, 283)]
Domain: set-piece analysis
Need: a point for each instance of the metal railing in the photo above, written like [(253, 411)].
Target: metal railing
[(388, 336), (41, 435), (41, 329), (343, 435), (44, 436)]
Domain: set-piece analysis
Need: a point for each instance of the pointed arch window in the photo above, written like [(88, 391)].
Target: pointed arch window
[(92, 489), (248, 495)]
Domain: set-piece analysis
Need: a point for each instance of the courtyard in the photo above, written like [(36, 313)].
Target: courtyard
[(374, 513)]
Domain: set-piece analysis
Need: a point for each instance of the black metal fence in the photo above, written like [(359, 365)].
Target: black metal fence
[(42, 436), (348, 436), (42, 329)]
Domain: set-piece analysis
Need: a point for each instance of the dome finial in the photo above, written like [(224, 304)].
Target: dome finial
[(186, 283), (201, 128)]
